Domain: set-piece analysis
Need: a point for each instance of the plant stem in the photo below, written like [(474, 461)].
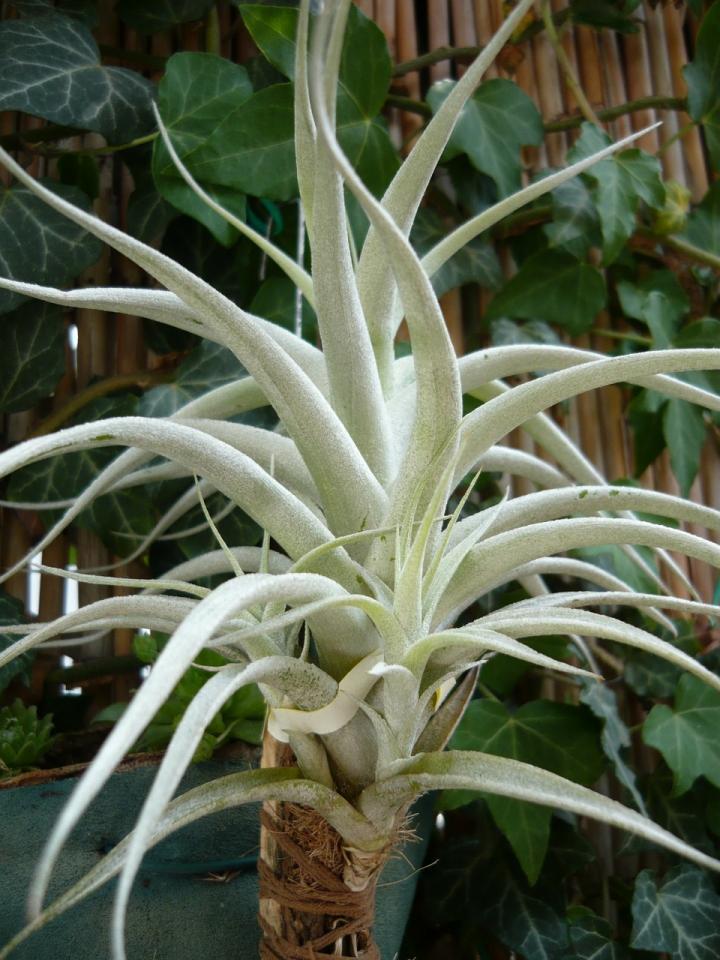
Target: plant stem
[(94, 151), (435, 56), (408, 104), (212, 32), (618, 335), (688, 250), (612, 113), (92, 669), (565, 65), (141, 378)]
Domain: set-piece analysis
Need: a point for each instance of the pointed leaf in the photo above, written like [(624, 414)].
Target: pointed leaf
[(161, 15), (555, 287), (33, 355), (681, 917), (50, 67), (687, 736), (495, 123), (703, 80), (60, 249)]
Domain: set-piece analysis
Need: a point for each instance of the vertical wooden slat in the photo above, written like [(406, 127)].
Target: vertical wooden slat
[(677, 56), (439, 34), (672, 156), (639, 80)]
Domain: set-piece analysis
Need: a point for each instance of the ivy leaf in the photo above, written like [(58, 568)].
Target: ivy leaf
[(646, 421), (591, 937), (703, 223), (84, 10), (555, 287), (703, 81), (682, 917), (251, 149), (685, 433), (236, 529), (365, 65), (50, 67), (161, 14), (603, 13), (684, 816), (275, 300), (687, 735), (60, 249), (558, 737), (615, 737), (64, 476), (477, 262), (11, 611), (149, 214), (33, 356), (495, 123), (273, 28), (199, 92), (634, 295), (208, 366), (527, 923), (575, 225), (620, 183)]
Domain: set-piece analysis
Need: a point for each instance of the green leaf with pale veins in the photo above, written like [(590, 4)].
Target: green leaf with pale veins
[(685, 433), (620, 183), (198, 93), (495, 123), (558, 737), (553, 286), (65, 476), (208, 366), (11, 611), (615, 737), (32, 359), (527, 924), (161, 14), (50, 67), (477, 262), (703, 81), (60, 249), (681, 917), (591, 938), (575, 225), (687, 736)]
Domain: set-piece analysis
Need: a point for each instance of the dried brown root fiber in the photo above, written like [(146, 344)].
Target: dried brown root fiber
[(317, 896)]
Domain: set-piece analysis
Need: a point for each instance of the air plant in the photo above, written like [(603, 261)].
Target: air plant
[(349, 623)]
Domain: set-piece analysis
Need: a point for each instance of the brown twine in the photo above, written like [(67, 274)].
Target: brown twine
[(306, 883)]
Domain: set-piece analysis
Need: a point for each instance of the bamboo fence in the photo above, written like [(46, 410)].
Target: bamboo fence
[(612, 69)]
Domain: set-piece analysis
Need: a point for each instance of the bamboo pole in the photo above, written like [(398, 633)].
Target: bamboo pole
[(692, 148)]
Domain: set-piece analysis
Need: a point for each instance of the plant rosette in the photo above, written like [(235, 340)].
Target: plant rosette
[(349, 624)]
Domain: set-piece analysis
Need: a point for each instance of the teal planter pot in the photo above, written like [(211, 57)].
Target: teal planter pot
[(197, 893)]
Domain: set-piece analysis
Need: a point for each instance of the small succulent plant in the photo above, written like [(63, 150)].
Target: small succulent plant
[(24, 738)]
